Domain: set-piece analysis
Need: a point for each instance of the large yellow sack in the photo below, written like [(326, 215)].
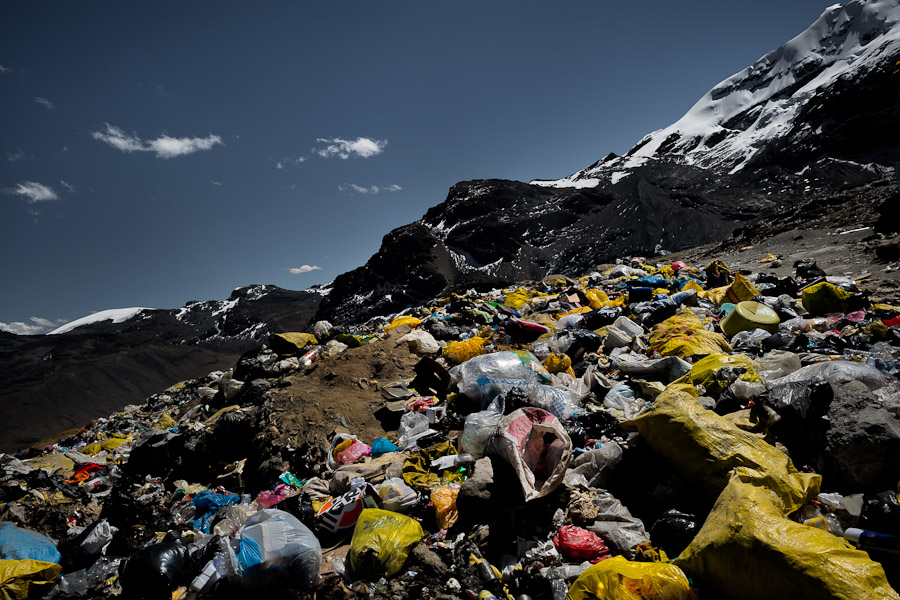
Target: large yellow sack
[(741, 290), (684, 336), (462, 351), (517, 299), (824, 298), (597, 298), (404, 320), (706, 371), (749, 550), (621, 579), (381, 542), (291, 342), (20, 579), (706, 448)]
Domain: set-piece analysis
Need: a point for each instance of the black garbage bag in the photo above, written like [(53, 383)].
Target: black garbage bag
[(576, 342), (881, 513), (156, 571), (673, 531), (785, 341), (600, 317), (808, 269), (651, 313), (801, 399), (597, 424)]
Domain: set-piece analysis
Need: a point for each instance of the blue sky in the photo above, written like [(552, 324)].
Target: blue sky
[(156, 153)]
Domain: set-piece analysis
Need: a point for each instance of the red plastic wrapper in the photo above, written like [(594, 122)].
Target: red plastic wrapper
[(577, 544), (892, 322)]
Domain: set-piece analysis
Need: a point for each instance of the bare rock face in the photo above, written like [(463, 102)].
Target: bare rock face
[(862, 446)]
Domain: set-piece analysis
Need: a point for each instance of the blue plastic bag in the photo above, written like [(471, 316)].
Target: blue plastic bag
[(208, 504), (22, 544)]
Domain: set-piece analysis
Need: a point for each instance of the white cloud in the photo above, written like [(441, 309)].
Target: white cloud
[(44, 102), (164, 146), (40, 326), (5, 70), (169, 147), (216, 183), (67, 185), (35, 192), (18, 155), (371, 189), (279, 165), (361, 147), (286, 160), (304, 269)]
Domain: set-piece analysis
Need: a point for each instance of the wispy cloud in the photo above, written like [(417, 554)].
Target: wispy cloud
[(4, 70), (371, 189), (216, 183), (67, 185), (37, 326), (286, 160), (18, 155), (164, 146), (344, 149), (304, 269), (44, 102), (35, 192)]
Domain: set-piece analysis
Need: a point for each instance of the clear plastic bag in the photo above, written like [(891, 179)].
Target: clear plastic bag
[(396, 496), (509, 364), (479, 428), (276, 543), (411, 424)]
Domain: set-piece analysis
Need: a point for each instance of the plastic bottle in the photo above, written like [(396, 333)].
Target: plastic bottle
[(872, 539), (310, 357)]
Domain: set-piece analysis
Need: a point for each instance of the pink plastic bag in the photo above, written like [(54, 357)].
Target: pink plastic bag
[(351, 453)]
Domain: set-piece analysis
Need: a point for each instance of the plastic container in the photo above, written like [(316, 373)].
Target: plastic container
[(750, 315)]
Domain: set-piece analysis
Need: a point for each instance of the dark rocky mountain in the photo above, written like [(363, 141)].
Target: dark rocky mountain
[(811, 124), (61, 381)]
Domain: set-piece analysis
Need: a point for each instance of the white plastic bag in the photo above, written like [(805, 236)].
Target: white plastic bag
[(276, 542), (396, 496), (479, 428)]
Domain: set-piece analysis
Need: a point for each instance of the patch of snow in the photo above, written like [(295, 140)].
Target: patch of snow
[(116, 315)]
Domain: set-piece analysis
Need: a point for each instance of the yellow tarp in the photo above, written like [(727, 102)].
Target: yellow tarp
[(291, 342), (517, 299), (462, 351), (21, 579), (406, 320), (108, 445), (597, 298), (706, 448), (706, 371), (684, 336), (749, 550)]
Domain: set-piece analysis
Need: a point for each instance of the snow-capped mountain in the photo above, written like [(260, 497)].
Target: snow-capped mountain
[(814, 122), (794, 97)]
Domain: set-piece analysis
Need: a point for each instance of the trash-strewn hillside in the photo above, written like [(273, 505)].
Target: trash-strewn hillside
[(715, 424)]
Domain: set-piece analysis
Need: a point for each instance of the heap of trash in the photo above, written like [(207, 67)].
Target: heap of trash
[(646, 431)]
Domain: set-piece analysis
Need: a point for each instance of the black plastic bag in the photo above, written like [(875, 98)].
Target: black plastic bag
[(155, 571), (808, 269), (673, 531), (881, 513)]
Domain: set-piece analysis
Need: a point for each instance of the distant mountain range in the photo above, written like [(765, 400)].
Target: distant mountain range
[(809, 129), (98, 364)]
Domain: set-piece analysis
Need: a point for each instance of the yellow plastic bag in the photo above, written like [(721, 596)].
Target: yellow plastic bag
[(444, 500), (462, 351), (716, 267), (405, 320), (108, 445), (684, 336), (597, 298), (381, 542), (706, 371), (824, 298), (292, 342), (517, 299), (692, 285), (741, 290), (620, 579), (20, 579), (706, 448), (749, 550), (715, 295), (557, 362)]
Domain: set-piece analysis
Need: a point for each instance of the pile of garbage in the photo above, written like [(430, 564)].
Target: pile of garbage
[(646, 431)]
